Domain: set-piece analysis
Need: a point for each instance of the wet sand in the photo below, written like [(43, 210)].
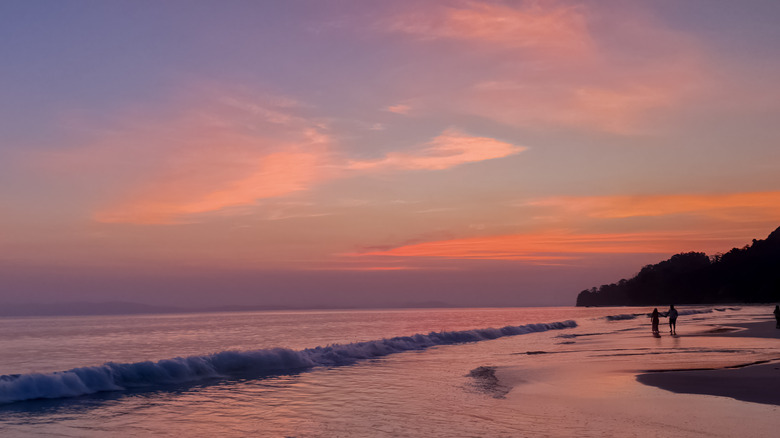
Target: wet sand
[(714, 379), (757, 382), (753, 383), (750, 330)]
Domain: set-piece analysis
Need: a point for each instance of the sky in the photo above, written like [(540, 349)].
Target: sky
[(372, 154)]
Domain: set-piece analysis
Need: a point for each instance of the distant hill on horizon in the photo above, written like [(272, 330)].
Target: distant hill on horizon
[(750, 274)]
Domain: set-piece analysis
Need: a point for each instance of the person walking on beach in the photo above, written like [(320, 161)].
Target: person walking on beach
[(777, 316), (654, 320), (672, 314)]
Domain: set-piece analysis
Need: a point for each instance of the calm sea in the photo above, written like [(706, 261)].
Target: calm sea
[(307, 373)]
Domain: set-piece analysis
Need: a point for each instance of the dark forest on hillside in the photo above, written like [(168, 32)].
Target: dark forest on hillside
[(743, 275)]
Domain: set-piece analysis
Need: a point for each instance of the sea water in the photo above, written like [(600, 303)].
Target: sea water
[(305, 373)]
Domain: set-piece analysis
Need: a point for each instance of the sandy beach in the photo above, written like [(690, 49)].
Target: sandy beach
[(757, 382), (711, 380)]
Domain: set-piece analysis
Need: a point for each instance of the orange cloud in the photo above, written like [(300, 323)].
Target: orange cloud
[(224, 154), (547, 65), (399, 109), (451, 148), (172, 200), (549, 246), (615, 110), (209, 154), (521, 26), (205, 170), (755, 204), (363, 268), (710, 228)]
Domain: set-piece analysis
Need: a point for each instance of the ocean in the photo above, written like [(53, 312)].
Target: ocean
[(418, 372)]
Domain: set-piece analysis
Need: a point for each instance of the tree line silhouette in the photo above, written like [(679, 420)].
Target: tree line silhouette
[(750, 274)]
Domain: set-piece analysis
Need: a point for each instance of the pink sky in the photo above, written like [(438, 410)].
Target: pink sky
[(469, 153)]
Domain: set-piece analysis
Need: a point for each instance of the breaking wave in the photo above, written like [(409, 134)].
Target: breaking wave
[(622, 317), (119, 376), (626, 316), (693, 312)]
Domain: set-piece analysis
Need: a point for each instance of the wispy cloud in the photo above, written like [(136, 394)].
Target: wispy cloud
[(201, 155), (363, 268), (227, 153), (451, 148), (560, 245), (171, 199), (547, 65), (399, 109), (697, 222), (522, 26), (755, 205)]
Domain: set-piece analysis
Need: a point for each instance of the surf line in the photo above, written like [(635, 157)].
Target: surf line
[(121, 376)]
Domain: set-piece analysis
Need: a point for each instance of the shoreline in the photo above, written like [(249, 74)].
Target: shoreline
[(715, 378), (757, 382), (764, 330)]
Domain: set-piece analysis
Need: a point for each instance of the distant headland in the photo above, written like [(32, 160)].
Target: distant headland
[(743, 275)]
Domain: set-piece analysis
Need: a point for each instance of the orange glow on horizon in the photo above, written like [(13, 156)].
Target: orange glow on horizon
[(550, 246), (764, 205), (365, 268)]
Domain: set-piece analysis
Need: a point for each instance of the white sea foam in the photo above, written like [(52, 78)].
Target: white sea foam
[(626, 316), (623, 316), (118, 376)]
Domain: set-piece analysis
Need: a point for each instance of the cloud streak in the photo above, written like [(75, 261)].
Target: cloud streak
[(524, 26), (402, 109), (216, 154), (173, 199), (558, 245), (702, 230), (551, 65), (756, 205), (450, 149)]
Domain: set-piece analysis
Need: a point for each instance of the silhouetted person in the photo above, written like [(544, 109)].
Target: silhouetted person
[(777, 316), (672, 314), (654, 320)]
